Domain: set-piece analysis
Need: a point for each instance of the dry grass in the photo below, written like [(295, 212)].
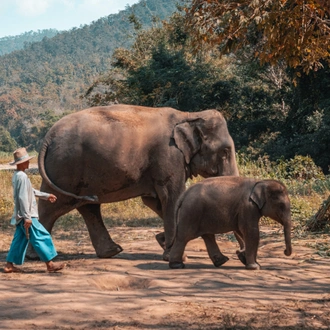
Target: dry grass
[(306, 197)]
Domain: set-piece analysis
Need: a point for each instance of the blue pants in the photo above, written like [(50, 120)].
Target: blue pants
[(40, 239)]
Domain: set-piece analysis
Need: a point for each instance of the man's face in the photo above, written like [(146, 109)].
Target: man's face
[(27, 164), (24, 166)]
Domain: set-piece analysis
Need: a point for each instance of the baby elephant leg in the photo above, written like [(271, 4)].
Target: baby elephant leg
[(213, 250), (241, 252), (251, 248), (177, 254)]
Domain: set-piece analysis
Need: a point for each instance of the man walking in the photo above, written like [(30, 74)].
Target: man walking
[(25, 217)]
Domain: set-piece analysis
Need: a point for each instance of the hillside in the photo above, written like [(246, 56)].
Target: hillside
[(48, 77), (11, 43)]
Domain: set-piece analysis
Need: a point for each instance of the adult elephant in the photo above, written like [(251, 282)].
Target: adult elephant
[(112, 153)]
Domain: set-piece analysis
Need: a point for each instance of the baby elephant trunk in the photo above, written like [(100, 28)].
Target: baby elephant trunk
[(287, 238)]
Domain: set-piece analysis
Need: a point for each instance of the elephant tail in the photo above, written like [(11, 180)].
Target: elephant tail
[(44, 175)]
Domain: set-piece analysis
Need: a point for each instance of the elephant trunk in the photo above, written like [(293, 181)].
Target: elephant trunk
[(229, 168), (234, 167), (287, 238)]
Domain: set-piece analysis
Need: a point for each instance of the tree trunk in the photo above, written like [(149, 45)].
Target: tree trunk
[(321, 218)]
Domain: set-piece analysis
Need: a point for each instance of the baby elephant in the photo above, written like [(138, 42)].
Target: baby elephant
[(223, 204)]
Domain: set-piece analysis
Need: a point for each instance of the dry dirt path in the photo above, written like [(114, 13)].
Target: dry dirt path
[(137, 290)]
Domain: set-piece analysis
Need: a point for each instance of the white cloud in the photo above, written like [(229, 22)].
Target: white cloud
[(33, 7)]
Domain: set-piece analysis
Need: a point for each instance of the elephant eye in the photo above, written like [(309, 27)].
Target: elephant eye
[(225, 154)]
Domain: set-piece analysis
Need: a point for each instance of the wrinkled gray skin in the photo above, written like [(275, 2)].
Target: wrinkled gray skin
[(109, 154), (224, 204)]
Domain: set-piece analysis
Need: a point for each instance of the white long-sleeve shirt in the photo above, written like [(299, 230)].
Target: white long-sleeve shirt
[(26, 206)]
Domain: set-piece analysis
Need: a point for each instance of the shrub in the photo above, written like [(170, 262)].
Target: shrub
[(302, 168)]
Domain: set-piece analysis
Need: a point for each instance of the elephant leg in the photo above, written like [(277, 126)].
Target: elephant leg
[(241, 252), (176, 255), (48, 214), (170, 227), (155, 205), (240, 240), (167, 196), (213, 250), (251, 239), (104, 246)]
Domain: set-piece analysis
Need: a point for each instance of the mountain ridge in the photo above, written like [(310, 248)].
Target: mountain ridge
[(47, 78)]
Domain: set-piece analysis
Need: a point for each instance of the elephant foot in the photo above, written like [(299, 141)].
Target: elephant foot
[(160, 238), (241, 257), (31, 254), (176, 265), (254, 266), (218, 261), (110, 253), (166, 255)]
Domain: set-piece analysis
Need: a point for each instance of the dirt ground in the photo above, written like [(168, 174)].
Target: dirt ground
[(137, 290)]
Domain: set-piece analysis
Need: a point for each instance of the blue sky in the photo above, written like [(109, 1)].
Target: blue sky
[(19, 16)]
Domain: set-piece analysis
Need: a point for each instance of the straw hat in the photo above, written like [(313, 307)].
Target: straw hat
[(20, 156)]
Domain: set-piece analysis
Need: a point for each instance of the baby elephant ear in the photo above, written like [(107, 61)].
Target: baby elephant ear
[(187, 139), (258, 195)]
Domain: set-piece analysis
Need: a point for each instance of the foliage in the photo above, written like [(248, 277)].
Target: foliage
[(301, 168), (168, 79), (158, 71), (51, 75), (9, 44), (7, 143), (300, 174), (295, 31), (257, 104), (307, 126), (291, 39), (266, 112)]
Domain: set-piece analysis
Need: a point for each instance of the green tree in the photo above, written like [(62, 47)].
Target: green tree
[(295, 31), (159, 70), (294, 34), (7, 143)]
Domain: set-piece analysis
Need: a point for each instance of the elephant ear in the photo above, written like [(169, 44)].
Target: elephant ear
[(258, 195), (187, 137)]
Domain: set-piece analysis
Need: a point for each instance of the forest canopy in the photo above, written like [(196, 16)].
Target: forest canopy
[(295, 31), (271, 109), (264, 64)]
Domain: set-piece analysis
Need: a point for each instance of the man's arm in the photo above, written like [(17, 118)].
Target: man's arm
[(42, 195)]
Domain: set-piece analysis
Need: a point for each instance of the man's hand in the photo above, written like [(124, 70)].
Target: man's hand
[(27, 223), (52, 198)]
